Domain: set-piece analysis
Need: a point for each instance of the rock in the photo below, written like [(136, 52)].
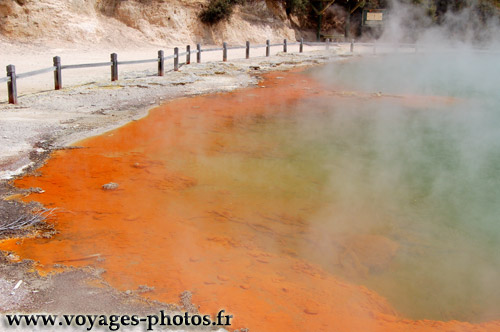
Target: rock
[(222, 277), (36, 190), (145, 289), (311, 311), (138, 165), (110, 186), (186, 303)]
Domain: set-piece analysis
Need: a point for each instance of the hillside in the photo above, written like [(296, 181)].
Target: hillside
[(131, 23), (136, 22)]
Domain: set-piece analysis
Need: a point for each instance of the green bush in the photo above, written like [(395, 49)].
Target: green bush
[(297, 7), (216, 11)]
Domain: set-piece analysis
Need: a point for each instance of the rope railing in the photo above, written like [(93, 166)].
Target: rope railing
[(87, 65), (57, 68), (212, 49), (134, 62), (258, 46), (314, 43), (35, 72), (236, 47)]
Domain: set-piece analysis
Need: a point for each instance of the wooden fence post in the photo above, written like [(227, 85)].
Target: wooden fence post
[(188, 54), (352, 46), (301, 47), (284, 45), (224, 51), (11, 84), (247, 51), (57, 73), (161, 63), (268, 48), (176, 59), (114, 67), (198, 53), (327, 46)]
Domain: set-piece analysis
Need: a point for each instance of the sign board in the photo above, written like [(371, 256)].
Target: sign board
[(373, 17)]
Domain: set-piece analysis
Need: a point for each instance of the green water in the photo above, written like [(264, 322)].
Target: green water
[(424, 177), (430, 177), (427, 179)]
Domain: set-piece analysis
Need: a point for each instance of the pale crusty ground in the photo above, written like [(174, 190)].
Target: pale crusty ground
[(90, 104)]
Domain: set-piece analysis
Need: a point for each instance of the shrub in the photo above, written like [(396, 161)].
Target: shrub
[(216, 11), (297, 7)]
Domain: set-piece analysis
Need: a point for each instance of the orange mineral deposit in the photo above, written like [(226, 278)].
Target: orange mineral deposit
[(193, 211)]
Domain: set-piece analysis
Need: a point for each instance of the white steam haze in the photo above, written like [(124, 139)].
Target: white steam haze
[(394, 175), (408, 23), (408, 147)]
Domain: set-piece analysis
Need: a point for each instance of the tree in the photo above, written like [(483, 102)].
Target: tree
[(321, 6)]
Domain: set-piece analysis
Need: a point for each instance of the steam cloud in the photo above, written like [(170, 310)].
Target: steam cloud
[(477, 24), (426, 176)]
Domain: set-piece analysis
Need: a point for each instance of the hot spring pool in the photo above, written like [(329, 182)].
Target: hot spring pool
[(376, 171), (425, 176)]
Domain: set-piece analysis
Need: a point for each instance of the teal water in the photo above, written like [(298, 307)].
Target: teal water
[(424, 178)]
